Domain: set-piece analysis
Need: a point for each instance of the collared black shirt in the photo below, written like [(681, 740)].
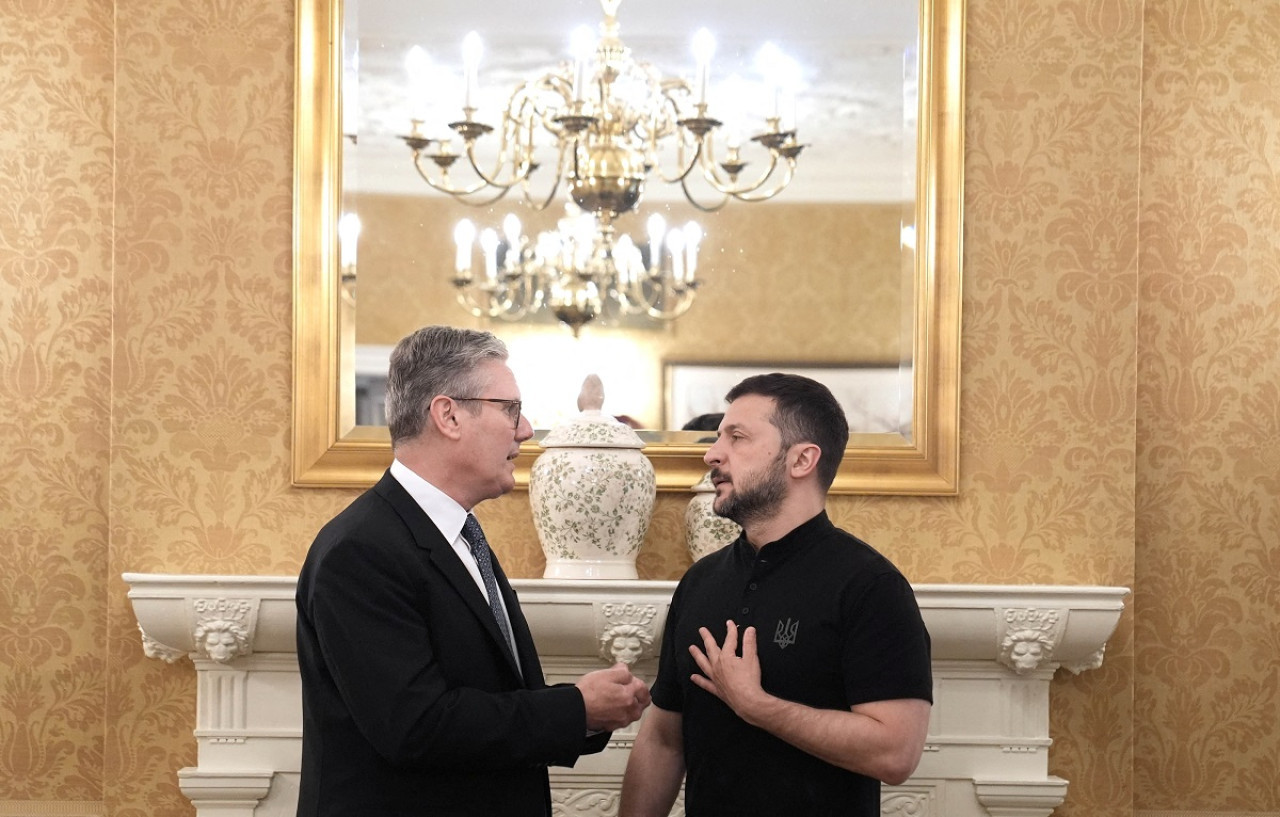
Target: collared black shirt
[(837, 625)]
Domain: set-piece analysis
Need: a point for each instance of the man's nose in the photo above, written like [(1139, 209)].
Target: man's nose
[(524, 429), (713, 457)]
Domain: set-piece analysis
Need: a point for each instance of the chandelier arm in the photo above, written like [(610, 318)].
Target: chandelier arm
[(705, 208), (470, 199), (668, 123), (465, 303), (521, 113), (548, 118), (500, 300), (457, 192), (542, 204), (630, 298), (700, 156), (513, 312), (555, 186), (514, 120), (520, 116), (519, 171), (556, 84), (669, 128), (684, 173), (664, 291), (529, 293), (468, 301), (712, 176), (777, 188), (506, 304), (670, 85), (686, 301)]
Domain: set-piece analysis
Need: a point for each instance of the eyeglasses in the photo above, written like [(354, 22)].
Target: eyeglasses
[(509, 407)]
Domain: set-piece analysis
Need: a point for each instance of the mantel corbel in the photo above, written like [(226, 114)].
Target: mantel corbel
[(1024, 628), (220, 618)]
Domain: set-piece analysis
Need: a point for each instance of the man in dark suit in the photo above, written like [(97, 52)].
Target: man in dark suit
[(421, 688)]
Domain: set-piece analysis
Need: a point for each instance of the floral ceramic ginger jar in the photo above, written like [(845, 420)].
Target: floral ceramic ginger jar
[(705, 531), (592, 493)]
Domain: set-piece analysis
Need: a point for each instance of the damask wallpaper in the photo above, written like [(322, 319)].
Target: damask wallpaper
[(1208, 501), (1121, 357)]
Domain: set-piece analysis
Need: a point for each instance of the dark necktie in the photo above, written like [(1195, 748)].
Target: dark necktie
[(484, 560)]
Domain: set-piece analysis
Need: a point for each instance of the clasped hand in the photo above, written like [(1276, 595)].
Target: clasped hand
[(732, 678), (614, 698)]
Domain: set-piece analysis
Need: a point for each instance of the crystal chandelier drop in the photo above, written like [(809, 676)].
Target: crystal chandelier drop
[(579, 272), (612, 122)]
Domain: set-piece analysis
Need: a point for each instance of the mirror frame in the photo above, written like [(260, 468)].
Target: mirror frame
[(880, 463)]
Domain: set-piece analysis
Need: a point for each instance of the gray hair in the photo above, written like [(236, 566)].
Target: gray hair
[(434, 361)]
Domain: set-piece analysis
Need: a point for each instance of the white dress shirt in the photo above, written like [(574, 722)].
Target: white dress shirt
[(448, 516)]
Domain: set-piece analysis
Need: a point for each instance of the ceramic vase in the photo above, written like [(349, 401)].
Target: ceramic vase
[(592, 492), (704, 531)]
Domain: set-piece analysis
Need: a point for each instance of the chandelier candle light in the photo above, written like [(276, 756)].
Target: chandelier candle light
[(348, 241), (613, 121)]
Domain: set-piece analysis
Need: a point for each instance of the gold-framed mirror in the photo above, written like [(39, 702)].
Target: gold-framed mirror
[(331, 450)]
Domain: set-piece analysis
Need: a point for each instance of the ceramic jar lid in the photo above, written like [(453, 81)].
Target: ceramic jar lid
[(592, 428)]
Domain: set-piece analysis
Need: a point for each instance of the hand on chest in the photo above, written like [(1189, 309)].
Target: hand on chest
[(800, 638)]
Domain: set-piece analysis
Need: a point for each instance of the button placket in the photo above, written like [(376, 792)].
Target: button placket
[(753, 585)]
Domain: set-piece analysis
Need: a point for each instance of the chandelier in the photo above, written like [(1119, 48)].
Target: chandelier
[(609, 123), (579, 272)]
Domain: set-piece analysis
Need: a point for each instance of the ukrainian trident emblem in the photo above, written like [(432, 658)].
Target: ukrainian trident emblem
[(785, 634)]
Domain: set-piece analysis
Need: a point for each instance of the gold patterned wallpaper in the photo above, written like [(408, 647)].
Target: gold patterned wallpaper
[(1207, 732), (1121, 358)]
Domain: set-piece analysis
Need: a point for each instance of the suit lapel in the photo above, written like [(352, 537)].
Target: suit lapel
[(530, 667), (429, 538)]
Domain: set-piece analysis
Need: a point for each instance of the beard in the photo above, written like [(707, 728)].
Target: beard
[(756, 499)]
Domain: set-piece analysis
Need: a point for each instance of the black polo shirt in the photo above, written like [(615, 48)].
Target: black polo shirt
[(836, 625)]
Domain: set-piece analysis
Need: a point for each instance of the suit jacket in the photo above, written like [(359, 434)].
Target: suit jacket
[(411, 702)]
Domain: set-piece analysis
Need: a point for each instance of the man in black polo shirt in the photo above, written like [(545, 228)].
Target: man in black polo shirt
[(794, 675)]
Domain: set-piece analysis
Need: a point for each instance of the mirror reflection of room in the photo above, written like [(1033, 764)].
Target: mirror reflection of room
[(815, 273)]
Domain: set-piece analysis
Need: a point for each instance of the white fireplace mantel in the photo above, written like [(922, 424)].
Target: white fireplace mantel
[(995, 650)]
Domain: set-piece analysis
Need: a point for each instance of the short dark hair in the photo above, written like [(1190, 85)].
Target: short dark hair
[(704, 422), (432, 361), (805, 411)]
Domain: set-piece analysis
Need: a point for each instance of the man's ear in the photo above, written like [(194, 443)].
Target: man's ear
[(442, 414), (805, 459)]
